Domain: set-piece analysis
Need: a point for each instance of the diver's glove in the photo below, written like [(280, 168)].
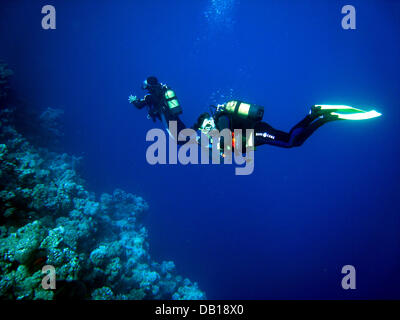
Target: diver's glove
[(133, 99)]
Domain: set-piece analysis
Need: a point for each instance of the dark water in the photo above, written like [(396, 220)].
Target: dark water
[(285, 231)]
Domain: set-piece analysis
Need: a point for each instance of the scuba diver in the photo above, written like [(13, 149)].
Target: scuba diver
[(163, 105), (161, 102), (239, 115)]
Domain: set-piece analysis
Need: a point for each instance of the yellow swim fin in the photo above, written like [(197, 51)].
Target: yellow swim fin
[(347, 112)]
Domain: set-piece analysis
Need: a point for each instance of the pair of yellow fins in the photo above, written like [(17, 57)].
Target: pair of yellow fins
[(348, 113)]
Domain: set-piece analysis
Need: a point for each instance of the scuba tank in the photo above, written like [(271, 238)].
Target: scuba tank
[(244, 110), (173, 104)]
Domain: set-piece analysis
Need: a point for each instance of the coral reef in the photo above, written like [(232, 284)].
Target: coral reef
[(98, 246), (41, 127)]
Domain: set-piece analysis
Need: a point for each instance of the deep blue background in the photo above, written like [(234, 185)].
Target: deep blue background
[(286, 230)]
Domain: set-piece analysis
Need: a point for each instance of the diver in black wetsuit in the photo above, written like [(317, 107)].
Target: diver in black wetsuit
[(161, 102), (238, 115)]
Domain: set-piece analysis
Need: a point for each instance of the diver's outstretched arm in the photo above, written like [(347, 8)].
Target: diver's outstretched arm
[(140, 104)]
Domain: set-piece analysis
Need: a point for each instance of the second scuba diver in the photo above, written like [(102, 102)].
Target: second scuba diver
[(161, 102)]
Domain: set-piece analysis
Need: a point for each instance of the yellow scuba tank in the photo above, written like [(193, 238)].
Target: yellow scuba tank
[(172, 102), (244, 110)]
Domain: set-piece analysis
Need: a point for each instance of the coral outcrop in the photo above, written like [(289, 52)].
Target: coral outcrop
[(98, 246)]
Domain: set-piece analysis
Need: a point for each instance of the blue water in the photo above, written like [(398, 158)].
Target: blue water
[(284, 232)]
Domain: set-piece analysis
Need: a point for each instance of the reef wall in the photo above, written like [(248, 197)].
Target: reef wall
[(47, 217)]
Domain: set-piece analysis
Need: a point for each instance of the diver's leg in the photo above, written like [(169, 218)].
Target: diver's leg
[(180, 126), (315, 113), (179, 123), (312, 116), (308, 119), (300, 133), (265, 134), (171, 131)]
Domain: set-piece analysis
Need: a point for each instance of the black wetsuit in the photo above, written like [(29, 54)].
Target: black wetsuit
[(157, 105), (266, 134)]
